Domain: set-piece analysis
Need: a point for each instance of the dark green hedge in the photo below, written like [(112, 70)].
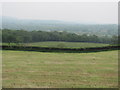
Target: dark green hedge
[(50, 49)]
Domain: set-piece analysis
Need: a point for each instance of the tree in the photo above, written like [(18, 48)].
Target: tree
[(114, 39)]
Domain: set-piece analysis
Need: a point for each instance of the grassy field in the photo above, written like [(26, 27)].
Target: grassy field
[(23, 69), (63, 44)]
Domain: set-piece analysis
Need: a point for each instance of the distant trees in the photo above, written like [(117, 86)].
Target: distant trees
[(114, 39), (22, 36)]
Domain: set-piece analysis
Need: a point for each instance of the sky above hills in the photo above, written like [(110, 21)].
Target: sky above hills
[(83, 12)]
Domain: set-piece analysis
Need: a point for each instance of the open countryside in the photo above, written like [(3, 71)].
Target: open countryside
[(59, 45), (60, 70)]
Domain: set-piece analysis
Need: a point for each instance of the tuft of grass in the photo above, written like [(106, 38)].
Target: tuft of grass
[(23, 69)]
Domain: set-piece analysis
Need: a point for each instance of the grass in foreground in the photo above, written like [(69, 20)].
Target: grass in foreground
[(63, 44), (22, 69)]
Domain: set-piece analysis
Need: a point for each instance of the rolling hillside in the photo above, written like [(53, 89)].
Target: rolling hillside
[(56, 25)]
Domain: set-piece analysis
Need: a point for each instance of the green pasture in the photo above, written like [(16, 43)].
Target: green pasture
[(58, 44), (23, 69)]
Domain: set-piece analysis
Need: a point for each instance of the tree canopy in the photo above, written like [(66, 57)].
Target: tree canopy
[(22, 36)]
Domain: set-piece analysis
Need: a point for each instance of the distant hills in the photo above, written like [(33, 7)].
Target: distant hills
[(57, 25)]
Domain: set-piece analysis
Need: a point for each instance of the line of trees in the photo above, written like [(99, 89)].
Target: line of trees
[(22, 36)]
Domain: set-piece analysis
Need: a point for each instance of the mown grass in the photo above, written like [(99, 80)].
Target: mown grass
[(23, 69), (62, 44)]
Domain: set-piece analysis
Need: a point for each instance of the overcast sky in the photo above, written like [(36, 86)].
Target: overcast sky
[(86, 12)]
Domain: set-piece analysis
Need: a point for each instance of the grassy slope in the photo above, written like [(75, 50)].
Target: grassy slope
[(64, 70), (64, 44)]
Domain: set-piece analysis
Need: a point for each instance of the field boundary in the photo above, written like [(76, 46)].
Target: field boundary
[(53, 49)]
